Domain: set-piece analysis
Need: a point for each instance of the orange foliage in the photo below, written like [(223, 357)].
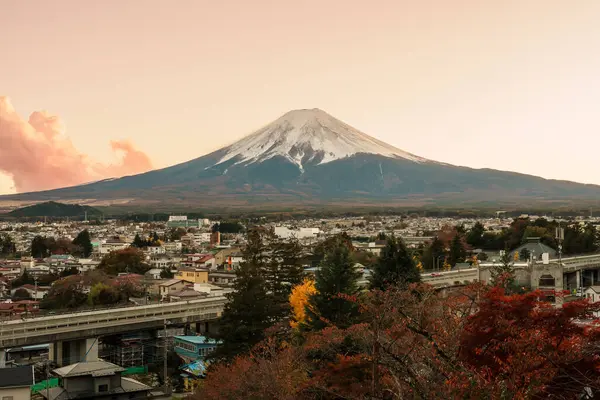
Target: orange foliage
[(299, 299)]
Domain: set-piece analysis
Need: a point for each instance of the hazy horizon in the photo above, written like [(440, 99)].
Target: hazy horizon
[(510, 86)]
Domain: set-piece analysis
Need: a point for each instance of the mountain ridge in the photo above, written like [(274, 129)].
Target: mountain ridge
[(308, 156)]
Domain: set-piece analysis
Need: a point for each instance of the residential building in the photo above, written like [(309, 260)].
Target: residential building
[(98, 380), (193, 275), (165, 289), (221, 278), (35, 292), (15, 383)]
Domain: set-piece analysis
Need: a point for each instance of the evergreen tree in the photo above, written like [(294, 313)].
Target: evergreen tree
[(39, 247), (395, 266), (503, 274), (284, 270), (457, 250), (7, 245), (247, 313), (336, 275), (84, 241), (432, 254), (475, 235), (138, 242)]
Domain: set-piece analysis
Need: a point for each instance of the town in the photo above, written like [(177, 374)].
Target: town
[(59, 268)]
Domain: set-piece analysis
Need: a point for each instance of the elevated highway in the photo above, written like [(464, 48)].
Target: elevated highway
[(93, 324)]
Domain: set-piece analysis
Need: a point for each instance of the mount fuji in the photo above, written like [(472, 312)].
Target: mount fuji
[(308, 157)]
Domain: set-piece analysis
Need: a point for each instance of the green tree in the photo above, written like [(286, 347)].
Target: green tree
[(166, 273), (130, 260), (84, 242), (7, 245), (336, 277), (103, 294), (138, 242), (457, 252), (39, 247), (433, 253), (503, 274), (524, 255), (247, 313), (475, 235), (395, 266)]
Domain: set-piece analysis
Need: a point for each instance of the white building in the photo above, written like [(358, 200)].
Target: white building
[(302, 233)]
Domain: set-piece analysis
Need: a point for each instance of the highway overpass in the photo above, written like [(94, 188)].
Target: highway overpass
[(78, 328)]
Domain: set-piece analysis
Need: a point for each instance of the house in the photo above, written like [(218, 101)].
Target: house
[(173, 247), (165, 289), (222, 255), (113, 244), (534, 246), (193, 275), (15, 383), (193, 350), (222, 278), (98, 380), (592, 293), (154, 273), (35, 292), (23, 308), (210, 290), (187, 294)]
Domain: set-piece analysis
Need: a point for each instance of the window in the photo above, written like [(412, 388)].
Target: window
[(7, 398), (547, 281), (103, 388)]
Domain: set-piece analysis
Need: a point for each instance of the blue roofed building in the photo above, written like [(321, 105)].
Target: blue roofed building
[(193, 350)]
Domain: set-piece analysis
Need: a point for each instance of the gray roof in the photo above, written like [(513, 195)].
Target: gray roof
[(128, 385), (16, 377), (93, 368), (533, 245)]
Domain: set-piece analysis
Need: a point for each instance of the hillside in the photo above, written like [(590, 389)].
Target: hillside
[(54, 209)]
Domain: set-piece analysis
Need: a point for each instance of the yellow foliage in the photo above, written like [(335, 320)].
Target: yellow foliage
[(475, 262), (420, 266), (299, 299), (447, 266), (516, 256)]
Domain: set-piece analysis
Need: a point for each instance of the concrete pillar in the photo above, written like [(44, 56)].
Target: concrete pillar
[(578, 279), (2, 358), (91, 349), (74, 351)]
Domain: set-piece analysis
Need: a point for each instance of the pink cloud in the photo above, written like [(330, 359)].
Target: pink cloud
[(38, 156)]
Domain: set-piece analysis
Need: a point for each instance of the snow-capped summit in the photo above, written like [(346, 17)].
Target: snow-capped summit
[(309, 136)]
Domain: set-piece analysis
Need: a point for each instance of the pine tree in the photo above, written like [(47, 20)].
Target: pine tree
[(138, 242), (503, 274), (248, 312), (336, 275), (433, 254), (457, 250), (395, 266), (84, 241)]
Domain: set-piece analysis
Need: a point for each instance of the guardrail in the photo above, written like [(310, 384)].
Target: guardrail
[(445, 277), (68, 323)]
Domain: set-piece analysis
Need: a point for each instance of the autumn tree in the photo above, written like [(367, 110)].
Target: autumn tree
[(336, 276), (130, 260), (299, 301), (395, 266)]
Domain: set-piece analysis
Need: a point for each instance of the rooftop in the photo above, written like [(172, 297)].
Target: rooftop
[(93, 368), (16, 377)]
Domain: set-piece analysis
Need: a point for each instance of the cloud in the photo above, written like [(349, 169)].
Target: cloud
[(38, 156)]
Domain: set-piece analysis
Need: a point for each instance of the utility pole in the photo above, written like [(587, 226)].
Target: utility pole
[(35, 279), (560, 236)]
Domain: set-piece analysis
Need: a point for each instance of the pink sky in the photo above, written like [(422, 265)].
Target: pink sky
[(507, 84)]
